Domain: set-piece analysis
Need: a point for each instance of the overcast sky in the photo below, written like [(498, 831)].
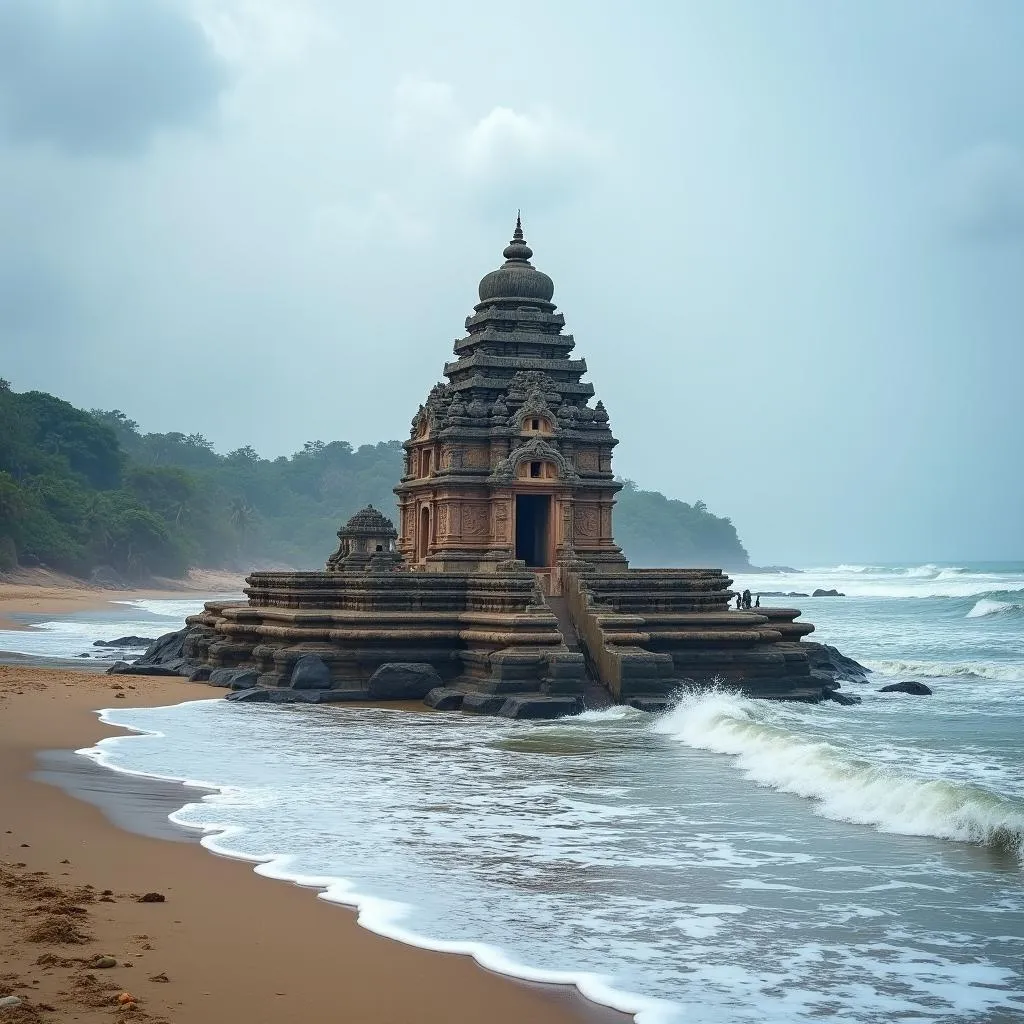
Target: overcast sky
[(788, 237)]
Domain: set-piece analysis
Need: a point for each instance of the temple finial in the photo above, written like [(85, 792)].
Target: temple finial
[(517, 235)]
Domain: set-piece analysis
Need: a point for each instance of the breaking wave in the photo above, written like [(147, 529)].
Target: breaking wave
[(843, 786), (1001, 671), (989, 606)]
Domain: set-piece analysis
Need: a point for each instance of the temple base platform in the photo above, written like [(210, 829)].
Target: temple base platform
[(497, 642)]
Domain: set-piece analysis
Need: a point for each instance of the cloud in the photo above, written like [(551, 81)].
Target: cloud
[(257, 33), (526, 158), (500, 160), (981, 194), (101, 77)]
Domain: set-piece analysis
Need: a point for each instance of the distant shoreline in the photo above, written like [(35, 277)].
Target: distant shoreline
[(38, 592)]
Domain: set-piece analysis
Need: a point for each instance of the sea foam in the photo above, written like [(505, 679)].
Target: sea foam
[(989, 606), (843, 786), (999, 671)]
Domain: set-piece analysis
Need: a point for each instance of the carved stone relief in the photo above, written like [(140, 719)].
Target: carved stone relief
[(586, 522), (474, 520)]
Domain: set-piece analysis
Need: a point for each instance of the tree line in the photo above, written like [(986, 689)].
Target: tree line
[(80, 491)]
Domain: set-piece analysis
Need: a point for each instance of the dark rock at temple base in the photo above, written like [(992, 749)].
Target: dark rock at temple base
[(917, 689), (165, 649), (233, 678), (530, 706), (289, 695), (310, 672), (126, 641), (123, 668), (827, 593), (833, 664), (846, 699), (403, 681), (484, 703), (200, 675), (444, 699)]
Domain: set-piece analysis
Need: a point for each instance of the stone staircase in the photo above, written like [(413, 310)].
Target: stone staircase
[(595, 696)]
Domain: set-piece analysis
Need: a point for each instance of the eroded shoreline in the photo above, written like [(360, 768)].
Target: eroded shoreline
[(231, 945)]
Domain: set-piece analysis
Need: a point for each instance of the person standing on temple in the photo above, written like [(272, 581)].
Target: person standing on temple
[(746, 598), (757, 601), (739, 601)]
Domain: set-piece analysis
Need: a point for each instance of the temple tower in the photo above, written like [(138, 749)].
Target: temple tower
[(506, 459)]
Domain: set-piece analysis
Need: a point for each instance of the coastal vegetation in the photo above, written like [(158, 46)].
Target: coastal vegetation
[(84, 492)]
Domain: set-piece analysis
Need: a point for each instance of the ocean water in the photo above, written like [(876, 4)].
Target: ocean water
[(728, 860), (72, 635)]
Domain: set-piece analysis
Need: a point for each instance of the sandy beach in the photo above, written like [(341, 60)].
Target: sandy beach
[(225, 944), (40, 592)]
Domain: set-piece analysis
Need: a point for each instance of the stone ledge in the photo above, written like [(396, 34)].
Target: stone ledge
[(442, 698)]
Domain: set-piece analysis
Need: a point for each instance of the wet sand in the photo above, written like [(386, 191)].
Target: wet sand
[(34, 593), (226, 944)]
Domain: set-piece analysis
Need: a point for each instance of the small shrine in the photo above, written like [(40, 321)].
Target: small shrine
[(366, 541)]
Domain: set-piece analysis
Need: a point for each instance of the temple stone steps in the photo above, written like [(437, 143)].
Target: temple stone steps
[(560, 608), (595, 696)]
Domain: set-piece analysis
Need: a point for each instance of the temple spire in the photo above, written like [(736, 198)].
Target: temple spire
[(517, 235)]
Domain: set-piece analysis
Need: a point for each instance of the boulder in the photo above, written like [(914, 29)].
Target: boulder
[(846, 699), (484, 703), (253, 696), (126, 641), (532, 706), (234, 678), (917, 689), (827, 593), (277, 695), (200, 674), (166, 648), (827, 661), (122, 668), (310, 672), (400, 680), (441, 698)]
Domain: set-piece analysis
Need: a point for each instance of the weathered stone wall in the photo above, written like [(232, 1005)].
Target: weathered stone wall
[(488, 632), (681, 618)]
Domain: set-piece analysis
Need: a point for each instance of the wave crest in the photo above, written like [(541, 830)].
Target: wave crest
[(844, 787), (989, 606), (1005, 672)]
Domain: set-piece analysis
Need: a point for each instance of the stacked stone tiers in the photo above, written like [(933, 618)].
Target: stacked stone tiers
[(646, 632), (642, 634), (483, 633)]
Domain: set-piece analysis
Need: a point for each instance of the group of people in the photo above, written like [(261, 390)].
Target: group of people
[(743, 601)]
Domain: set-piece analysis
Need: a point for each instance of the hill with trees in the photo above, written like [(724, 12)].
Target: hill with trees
[(84, 490)]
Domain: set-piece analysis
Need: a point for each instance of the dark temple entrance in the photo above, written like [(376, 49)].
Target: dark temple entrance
[(533, 515)]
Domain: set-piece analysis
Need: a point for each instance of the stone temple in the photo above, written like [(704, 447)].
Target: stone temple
[(502, 589)]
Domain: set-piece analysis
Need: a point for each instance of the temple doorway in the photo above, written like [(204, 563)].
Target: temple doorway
[(533, 517), (424, 541)]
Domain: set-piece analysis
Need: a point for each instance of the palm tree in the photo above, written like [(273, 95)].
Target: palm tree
[(182, 511), (242, 517)]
